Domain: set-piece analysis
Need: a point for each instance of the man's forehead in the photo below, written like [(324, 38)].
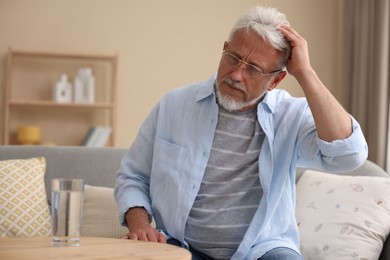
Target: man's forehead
[(248, 38), (249, 44)]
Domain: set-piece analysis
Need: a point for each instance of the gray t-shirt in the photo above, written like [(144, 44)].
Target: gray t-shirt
[(230, 191)]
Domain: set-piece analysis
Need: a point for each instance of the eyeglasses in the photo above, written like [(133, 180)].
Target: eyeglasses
[(251, 70)]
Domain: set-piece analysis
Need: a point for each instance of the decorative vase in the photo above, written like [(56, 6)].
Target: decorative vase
[(29, 135)]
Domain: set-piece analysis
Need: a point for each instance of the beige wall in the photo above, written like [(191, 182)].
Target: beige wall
[(162, 44)]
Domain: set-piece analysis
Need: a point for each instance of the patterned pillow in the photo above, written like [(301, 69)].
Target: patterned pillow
[(100, 214), (342, 217), (24, 211)]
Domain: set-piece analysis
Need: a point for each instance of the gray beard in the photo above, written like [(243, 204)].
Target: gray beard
[(233, 105)]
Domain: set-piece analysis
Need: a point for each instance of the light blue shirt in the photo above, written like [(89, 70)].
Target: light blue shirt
[(164, 167)]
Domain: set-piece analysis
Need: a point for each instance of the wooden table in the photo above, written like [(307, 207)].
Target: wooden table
[(90, 248)]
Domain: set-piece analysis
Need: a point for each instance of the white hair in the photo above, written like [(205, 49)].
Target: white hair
[(265, 21)]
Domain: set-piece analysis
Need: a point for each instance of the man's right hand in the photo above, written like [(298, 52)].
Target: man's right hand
[(139, 227)]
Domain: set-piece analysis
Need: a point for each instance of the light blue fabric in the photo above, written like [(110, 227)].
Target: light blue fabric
[(164, 167)]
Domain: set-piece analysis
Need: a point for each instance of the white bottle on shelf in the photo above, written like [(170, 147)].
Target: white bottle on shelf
[(84, 86), (62, 90)]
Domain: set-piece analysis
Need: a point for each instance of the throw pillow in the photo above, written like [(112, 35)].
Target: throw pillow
[(24, 211), (342, 217), (100, 214)]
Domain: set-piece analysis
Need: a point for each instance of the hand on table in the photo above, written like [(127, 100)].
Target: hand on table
[(148, 234), (139, 227)]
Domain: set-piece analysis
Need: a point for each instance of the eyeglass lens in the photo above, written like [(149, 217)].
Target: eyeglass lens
[(235, 62)]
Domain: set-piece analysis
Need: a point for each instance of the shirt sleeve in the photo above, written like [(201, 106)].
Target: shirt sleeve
[(133, 176), (335, 156), (345, 154)]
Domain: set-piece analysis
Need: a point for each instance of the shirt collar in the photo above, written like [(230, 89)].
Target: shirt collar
[(206, 89), (269, 101)]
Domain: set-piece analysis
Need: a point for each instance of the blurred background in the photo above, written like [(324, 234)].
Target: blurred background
[(162, 45)]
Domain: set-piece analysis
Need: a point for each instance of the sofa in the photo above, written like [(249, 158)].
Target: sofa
[(98, 166)]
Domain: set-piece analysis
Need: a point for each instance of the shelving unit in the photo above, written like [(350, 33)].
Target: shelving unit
[(30, 80)]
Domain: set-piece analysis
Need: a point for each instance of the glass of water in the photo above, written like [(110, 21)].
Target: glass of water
[(66, 211)]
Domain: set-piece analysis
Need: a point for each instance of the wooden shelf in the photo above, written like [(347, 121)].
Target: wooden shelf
[(52, 104), (30, 79), (53, 55)]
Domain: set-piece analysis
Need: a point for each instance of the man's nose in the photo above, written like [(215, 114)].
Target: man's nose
[(238, 73)]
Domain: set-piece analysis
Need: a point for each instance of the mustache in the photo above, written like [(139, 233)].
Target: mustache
[(234, 84)]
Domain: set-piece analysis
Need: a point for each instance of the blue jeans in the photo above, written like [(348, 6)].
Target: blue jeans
[(279, 253)]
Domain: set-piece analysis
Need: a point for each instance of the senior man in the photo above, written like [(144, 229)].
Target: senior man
[(214, 162)]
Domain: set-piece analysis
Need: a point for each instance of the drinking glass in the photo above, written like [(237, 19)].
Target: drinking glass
[(66, 211)]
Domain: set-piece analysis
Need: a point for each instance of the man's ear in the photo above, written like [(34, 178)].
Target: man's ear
[(225, 44), (277, 79)]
